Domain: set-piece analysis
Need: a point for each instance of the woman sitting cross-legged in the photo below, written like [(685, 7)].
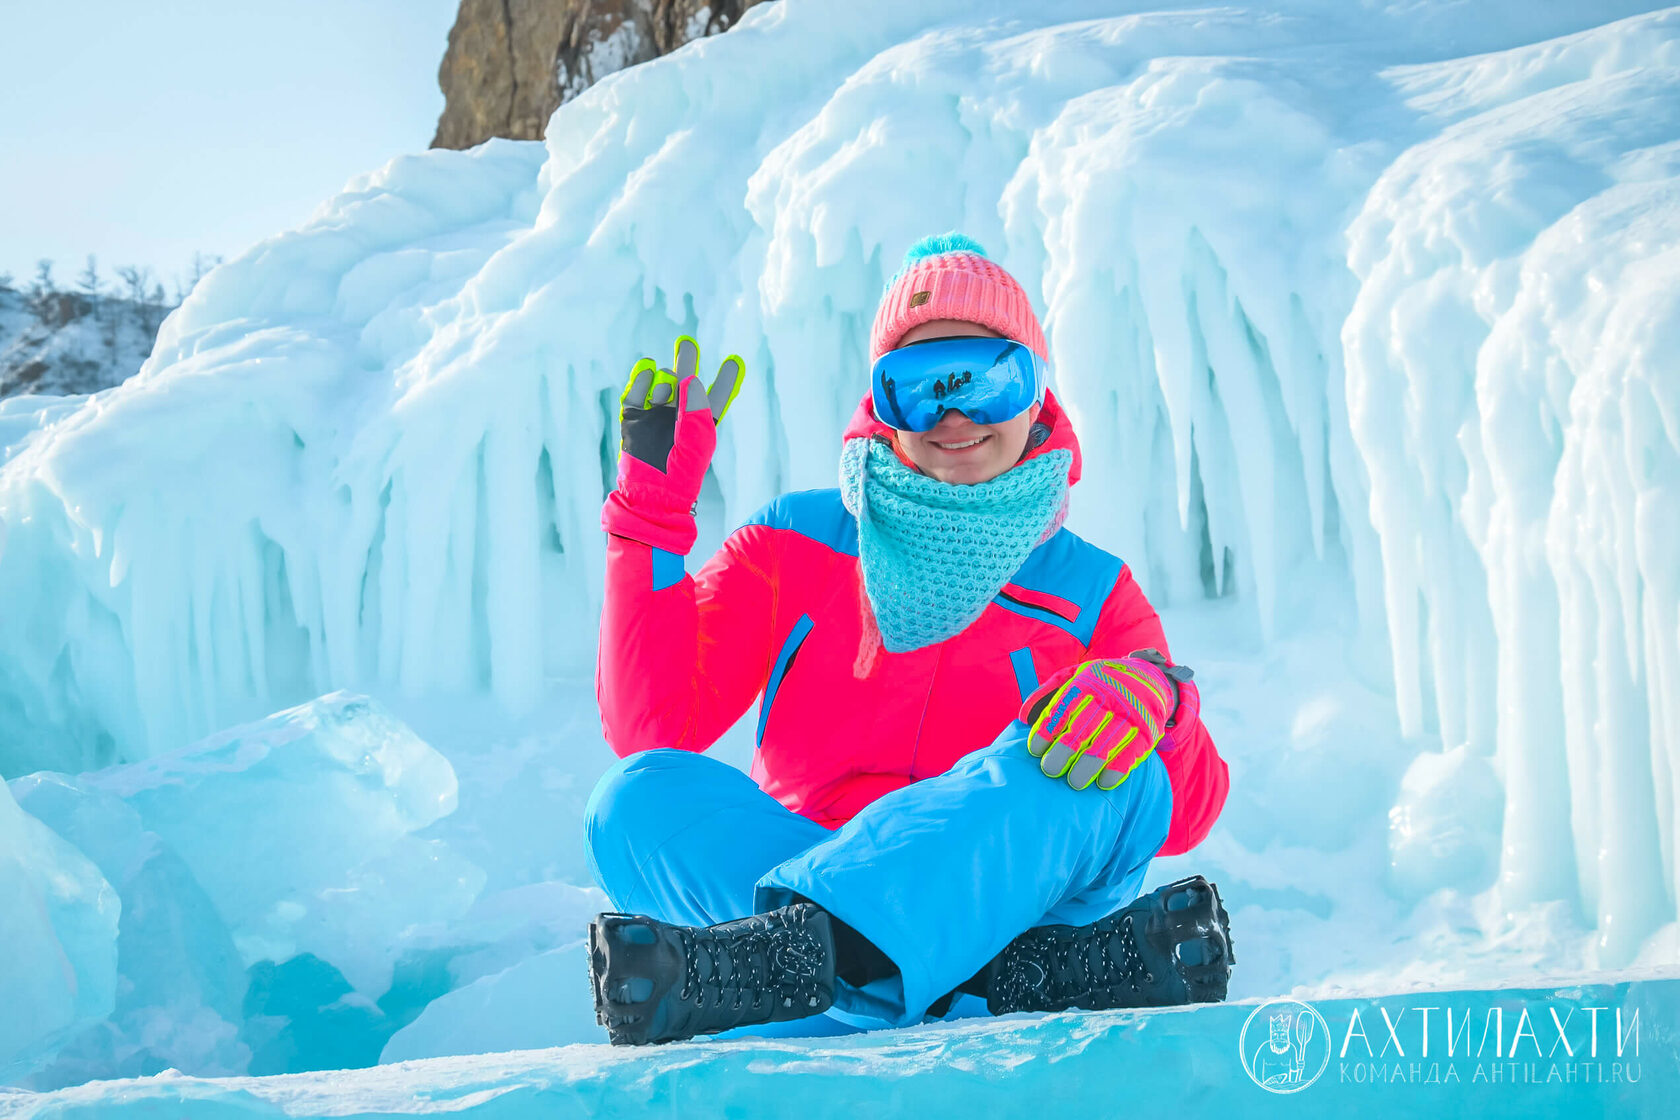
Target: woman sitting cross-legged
[(971, 738)]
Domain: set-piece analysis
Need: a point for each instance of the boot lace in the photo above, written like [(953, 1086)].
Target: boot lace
[(745, 966)]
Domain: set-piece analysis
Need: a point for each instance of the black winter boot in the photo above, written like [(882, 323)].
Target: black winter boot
[(656, 982), (1170, 947)]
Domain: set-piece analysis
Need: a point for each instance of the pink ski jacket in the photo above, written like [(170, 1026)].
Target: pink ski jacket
[(778, 614)]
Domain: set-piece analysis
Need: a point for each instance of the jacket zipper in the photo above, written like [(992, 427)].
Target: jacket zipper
[(921, 721)]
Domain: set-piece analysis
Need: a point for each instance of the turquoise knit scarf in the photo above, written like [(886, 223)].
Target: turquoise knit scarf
[(935, 553)]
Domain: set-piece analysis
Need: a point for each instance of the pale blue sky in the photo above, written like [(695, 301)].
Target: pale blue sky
[(141, 130)]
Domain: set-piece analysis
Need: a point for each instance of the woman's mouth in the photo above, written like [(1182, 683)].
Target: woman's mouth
[(961, 445)]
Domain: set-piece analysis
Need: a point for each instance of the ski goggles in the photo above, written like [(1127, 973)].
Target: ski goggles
[(988, 380)]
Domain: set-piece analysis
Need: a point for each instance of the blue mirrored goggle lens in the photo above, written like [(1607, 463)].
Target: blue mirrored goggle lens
[(989, 380)]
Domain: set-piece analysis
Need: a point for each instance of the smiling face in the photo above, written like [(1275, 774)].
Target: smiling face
[(958, 450)]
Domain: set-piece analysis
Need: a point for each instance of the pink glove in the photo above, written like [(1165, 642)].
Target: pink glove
[(1096, 721), (665, 446)]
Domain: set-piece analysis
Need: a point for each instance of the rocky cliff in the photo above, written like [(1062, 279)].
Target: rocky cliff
[(511, 63)]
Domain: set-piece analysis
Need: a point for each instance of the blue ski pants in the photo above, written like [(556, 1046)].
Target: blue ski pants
[(940, 875)]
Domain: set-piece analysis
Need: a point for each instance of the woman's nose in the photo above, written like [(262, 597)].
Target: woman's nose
[(952, 419)]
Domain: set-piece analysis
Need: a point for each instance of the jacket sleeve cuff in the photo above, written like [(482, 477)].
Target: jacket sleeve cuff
[(670, 530), (1184, 718)]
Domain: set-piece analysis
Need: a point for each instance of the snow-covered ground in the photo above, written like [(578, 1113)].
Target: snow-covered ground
[(1367, 315), (78, 344)]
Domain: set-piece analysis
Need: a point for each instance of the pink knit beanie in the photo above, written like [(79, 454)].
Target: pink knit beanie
[(949, 276)]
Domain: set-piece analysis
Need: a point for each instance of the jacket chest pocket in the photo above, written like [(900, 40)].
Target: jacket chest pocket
[(779, 670), (1052, 610)]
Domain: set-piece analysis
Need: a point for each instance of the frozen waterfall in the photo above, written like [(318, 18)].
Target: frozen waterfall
[(1367, 314)]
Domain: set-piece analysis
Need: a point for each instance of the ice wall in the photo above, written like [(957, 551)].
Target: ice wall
[(1512, 394), (1340, 304)]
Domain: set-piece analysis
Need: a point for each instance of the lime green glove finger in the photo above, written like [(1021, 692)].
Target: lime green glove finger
[(1070, 753), (1093, 754), (1061, 732), (664, 389), (683, 365), (636, 390), (1123, 759), (724, 388)]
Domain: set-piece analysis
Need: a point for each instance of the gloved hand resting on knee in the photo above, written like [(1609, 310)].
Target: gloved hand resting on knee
[(1098, 720)]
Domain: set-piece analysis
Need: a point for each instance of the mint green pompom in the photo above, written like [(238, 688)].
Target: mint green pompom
[(932, 246), (938, 243)]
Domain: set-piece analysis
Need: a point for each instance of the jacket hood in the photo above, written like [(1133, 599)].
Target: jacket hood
[(864, 425)]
